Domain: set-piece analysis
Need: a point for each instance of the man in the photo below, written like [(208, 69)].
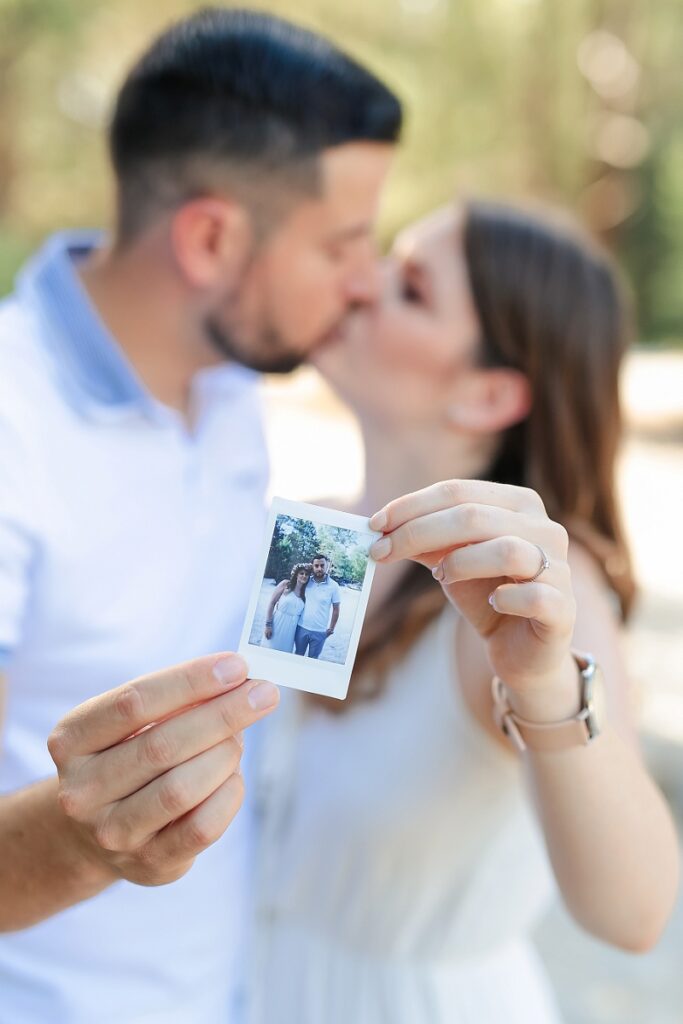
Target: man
[(322, 594), (248, 158)]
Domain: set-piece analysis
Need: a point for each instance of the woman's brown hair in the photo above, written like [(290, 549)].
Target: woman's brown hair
[(550, 304), (292, 582)]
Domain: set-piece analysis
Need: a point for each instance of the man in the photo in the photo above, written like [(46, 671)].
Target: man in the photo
[(322, 596)]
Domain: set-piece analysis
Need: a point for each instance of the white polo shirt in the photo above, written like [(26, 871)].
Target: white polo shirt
[(319, 600), (127, 543)]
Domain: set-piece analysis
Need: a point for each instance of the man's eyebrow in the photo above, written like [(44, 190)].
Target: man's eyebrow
[(350, 234)]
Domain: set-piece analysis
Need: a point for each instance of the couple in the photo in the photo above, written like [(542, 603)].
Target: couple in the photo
[(298, 616)]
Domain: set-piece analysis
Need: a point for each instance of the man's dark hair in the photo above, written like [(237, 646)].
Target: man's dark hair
[(226, 97), (319, 557)]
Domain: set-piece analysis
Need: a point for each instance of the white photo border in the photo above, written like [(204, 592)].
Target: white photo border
[(322, 677)]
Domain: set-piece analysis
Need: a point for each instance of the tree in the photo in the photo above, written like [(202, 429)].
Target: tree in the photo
[(348, 559), (294, 540), (299, 540)]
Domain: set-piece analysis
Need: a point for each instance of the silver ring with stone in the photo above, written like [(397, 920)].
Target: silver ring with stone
[(545, 564)]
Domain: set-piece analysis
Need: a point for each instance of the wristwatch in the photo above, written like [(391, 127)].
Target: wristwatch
[(580, 730)]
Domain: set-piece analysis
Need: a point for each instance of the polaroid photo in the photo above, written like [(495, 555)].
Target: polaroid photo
[(309, 598)]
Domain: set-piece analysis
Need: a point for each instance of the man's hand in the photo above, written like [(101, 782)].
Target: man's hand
[(149, 772), (335, 618)]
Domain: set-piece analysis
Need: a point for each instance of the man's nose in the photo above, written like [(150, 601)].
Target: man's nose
[(364, 283), (389, 274)]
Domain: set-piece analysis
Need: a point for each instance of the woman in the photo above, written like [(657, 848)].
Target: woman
[(285, 609), (409, 847)]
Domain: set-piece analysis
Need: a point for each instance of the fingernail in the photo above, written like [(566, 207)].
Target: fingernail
[(263, 695), (239, 736), (379, 520), (492, 600), (381, 548), (438, 572), (230, 670)]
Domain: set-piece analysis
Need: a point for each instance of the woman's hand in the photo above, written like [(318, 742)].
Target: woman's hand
[(270, 611), (478, 538)]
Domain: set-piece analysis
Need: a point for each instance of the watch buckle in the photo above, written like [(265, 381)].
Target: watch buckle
[(509, 727), (502, 713)]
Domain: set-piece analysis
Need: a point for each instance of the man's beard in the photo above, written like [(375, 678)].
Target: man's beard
[(271, 359)]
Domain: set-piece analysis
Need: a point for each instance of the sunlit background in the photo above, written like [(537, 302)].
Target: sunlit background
[(574, 101)]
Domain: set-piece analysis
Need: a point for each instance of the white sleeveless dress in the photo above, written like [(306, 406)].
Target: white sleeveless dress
[(285, 620), (401, 867)]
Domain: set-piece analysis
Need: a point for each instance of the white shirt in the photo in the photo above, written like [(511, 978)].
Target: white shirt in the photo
[(319, 600)]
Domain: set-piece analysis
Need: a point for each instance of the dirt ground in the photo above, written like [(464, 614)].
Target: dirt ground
[(595, 984)]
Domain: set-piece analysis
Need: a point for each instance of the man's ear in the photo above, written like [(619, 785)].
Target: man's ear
[(211, 240), (486, 401)]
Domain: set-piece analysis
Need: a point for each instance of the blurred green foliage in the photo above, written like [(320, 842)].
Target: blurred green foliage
[(572, 101)]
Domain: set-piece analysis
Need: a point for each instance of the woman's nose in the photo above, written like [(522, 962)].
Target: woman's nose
[(364, 286)]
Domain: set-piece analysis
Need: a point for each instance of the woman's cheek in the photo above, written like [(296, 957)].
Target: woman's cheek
[(395, 335), (407, 342)]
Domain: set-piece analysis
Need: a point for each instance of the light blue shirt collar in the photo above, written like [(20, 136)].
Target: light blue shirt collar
[(79, 341)]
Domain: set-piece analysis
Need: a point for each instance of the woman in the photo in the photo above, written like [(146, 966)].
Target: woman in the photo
[(285, 609), (409, 848)]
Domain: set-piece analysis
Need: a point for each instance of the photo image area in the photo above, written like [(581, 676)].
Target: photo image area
[(309, 599), (313, 567)]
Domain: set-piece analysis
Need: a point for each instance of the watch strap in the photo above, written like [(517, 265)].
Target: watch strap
[(544, 736)]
